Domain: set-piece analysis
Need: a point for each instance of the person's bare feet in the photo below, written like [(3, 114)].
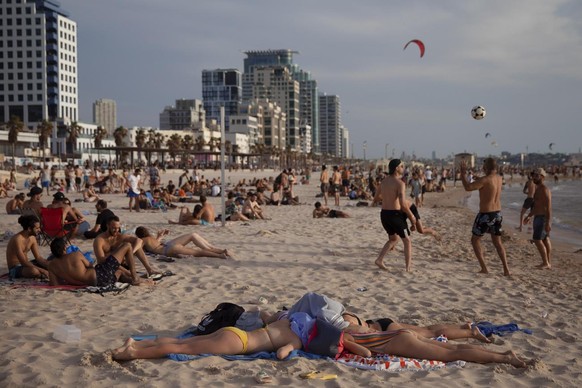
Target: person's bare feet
[(484, 271), (381, 265), (477, 334), (514, 360), (122, 353), (543, 266)]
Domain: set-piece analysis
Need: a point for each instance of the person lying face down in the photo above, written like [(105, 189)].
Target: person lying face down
[(277, 336)]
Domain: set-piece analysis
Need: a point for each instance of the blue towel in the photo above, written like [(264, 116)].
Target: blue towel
[(248, 357), (488, 329)]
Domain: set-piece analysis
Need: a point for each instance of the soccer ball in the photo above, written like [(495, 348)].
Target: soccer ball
[(478, 112)]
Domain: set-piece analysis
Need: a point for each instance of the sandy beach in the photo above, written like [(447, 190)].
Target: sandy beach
[(279, 260)]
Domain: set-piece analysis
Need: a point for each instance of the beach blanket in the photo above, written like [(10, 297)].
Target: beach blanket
[(116, 288), (383, 362), (488, 329)]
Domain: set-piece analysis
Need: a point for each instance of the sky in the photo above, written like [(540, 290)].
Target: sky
[(520, 59)]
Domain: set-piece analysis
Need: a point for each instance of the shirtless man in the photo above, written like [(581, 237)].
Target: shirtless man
[(177, 246), (34, 202), (251, 208), (14, 206), (394, 213), (207, 213), (324, 183), (529, 190), (489, 218), (18, 247), (336, 181), (323, 211), (112, 240), (74, 268), (541, 212)]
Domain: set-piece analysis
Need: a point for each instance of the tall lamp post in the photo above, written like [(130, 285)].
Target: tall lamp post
[(364, 146), (386, 151)]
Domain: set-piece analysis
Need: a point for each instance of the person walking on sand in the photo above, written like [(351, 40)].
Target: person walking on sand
[(336, 181), (528, 189), (324, 183), (489, 218), (133, 191), (541, 212), (394, 213)]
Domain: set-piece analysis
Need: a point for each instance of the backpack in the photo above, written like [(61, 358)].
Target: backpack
[(225, 314)]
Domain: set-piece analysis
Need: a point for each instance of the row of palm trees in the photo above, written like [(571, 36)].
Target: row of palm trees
[(178, 145)]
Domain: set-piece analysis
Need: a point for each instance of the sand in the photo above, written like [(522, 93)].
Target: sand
[(279, 260)]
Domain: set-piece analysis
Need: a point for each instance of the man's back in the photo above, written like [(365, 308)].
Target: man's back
[(72, 268), (391, 187), (490, 193), (207, 213)]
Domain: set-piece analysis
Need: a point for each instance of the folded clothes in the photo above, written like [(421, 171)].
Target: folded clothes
[(488, 329)]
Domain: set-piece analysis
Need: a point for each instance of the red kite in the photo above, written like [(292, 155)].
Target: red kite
[(419, 43)]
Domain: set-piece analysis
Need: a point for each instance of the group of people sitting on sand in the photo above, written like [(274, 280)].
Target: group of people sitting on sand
[(115, 254), (321, 325)]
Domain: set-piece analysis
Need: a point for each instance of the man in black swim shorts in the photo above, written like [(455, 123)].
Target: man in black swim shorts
[(394, 214)]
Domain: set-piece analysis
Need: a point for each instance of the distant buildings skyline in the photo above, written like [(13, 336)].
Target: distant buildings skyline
[(38, 81)]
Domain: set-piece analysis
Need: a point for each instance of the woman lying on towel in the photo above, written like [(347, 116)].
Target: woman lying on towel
[(406, 343), (452, 332), (277, 336), (177, 246)]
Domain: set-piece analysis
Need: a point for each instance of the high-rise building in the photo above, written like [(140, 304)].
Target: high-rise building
[(105, 114), (38, 62), (274, 83), (221, 87), (187, 114), (308, 94), (330, 125)]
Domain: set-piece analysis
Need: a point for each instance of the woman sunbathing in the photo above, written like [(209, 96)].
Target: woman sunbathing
[(228, 340), (452, 332), (177, 246), (277, 336), (406, 343)]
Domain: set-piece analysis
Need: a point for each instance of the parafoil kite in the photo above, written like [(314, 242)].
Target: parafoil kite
[(487, 135), (551, 145), (418, 43)]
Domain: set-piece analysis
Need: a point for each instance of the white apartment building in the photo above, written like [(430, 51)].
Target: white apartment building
[(105, 114)]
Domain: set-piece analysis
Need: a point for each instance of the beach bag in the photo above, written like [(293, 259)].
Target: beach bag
[(325, 339), (225, 314)]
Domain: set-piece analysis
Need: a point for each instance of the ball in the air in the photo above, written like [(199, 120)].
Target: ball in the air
[(478, 112)]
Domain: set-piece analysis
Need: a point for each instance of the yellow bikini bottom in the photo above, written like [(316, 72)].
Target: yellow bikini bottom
[(244, 338)]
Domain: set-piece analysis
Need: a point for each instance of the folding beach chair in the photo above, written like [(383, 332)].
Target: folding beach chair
[(155, 204), (52, 225)]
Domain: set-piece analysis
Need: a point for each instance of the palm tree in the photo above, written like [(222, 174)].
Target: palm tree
[(173, 144), (187, 145), (100, 134), (140, 140), (45, 131), (14, 126), (120, 134), (200, 143), (74, 130)]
